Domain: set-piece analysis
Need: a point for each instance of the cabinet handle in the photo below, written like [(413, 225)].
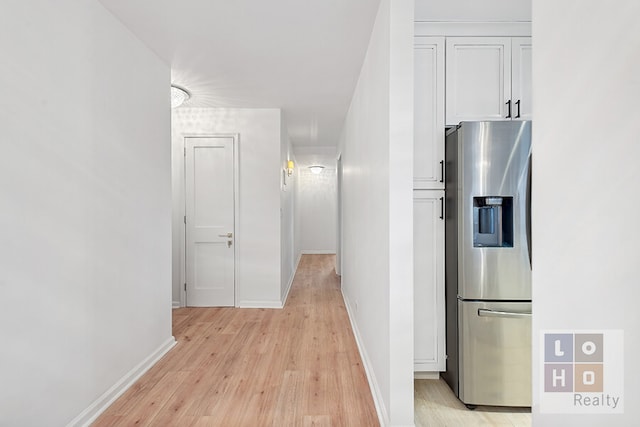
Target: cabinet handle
[(441, 170), (508, 109), (518, 104), (441, 207)]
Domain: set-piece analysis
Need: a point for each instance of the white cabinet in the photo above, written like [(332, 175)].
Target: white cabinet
[(455, 79), (428, 289), (428, 151), (488, 78), (521, 68), (428, 183)]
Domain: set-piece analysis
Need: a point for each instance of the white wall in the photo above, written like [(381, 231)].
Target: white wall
[(85, 259), (377, 275), (258, 232), (316, 210), (316, 197), (473, 10), (585, 149), (287, 215)]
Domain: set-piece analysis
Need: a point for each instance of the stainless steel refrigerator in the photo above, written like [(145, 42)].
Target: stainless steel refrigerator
[(488, 262)]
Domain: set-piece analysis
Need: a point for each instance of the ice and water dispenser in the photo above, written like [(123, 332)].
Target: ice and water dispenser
[(493, 222)]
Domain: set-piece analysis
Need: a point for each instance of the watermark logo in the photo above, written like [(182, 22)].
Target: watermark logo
[(583, 372)]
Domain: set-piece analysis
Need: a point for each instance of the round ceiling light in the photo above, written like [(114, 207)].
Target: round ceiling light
[(178, 96), (316, 169)]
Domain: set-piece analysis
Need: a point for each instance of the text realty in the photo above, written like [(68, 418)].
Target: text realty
[(597, 400)]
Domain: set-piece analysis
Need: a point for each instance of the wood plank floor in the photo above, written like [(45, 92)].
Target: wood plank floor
[(298, 366), (437, 406)]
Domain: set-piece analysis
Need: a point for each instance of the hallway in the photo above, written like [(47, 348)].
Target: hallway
[(258, 367)]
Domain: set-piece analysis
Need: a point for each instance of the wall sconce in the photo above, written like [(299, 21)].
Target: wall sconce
[(316, 169), (290, 166)]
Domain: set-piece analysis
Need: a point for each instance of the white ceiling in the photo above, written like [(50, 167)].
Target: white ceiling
[(303, 56)]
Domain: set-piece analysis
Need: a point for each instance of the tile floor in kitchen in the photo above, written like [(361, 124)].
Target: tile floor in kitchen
[(437, 406)]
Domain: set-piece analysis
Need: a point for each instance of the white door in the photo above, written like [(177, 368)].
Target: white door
[(521, 77), (428, 133), (210, 260), (478, 81)]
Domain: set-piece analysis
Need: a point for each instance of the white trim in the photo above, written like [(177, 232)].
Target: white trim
[(318, 252), (293, 276), (477, 29), (378, 401), (236, 216), (176, 304), (260, 304), (426, 375), (236, 213), (89, 415)]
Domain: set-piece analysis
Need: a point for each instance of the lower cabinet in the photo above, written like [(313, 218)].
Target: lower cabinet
[(428, 288)]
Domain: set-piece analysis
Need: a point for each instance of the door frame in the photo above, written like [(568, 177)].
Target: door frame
[(236, 212)]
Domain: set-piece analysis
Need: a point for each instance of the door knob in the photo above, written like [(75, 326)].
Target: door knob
[(228, 235)]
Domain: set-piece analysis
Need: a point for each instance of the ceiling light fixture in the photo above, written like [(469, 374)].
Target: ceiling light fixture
[(178, 96), (316, 169)]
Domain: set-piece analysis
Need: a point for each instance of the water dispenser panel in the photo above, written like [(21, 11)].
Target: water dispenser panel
[(493, 221)]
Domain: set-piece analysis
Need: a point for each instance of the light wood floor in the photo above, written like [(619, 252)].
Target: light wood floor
[(298, 366), (437, 406)]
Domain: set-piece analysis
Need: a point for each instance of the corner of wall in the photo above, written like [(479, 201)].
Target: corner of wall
[(287, 214), (287, 289), (91, 413)]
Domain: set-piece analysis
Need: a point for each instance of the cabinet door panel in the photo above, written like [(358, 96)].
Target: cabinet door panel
[(521, 76), (428, 145), (478, 80), (428, 247)]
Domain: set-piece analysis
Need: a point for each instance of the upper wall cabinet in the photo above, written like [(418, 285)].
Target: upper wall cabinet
[(488, 78), (521, 68), (428, 151)]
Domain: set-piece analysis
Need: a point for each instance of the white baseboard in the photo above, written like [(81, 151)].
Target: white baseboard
[(293, 276), (426, 375), (176, 304), (260, 304), (94, 410), (381, 409), (318, 252)]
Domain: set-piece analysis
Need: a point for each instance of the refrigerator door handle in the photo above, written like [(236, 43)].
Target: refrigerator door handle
[(482, 312)]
